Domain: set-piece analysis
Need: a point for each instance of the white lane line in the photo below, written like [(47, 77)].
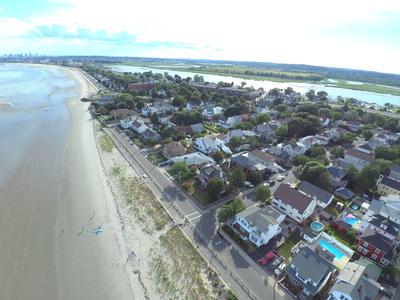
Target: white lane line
[(193, 213), (194, 218)]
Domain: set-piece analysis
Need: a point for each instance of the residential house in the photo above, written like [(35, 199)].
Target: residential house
[(126, 123), (387, 206), (140, 86), (358, 159), (336, 175), (309, 271), (344, 193), (395, 172), (265, 132), (258, 225), (256, 160), (232, 121), (173, 149), (293, 203), (358, 280), (122, 113), (197, 128), (150, 135), (211, 171), (208, 144), (191, 159), (210, 111), (376, 246), (139, 127), (323, 197), (388, 186), (382, 225)]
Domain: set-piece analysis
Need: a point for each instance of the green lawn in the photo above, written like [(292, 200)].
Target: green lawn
[(156, 158), (286, 247), (201, 196), (345, 239)]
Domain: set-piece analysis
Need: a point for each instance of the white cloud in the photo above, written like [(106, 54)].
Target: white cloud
[(281, 31)]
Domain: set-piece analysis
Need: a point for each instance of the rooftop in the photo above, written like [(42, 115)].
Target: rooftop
[(390, 182), (292, 197), (360, 155), (261, 218), (315, 191)]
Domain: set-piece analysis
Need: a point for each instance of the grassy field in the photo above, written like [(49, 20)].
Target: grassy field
[(368, 87), (274, 75), (106, 143)]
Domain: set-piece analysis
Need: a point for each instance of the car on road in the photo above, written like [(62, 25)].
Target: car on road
[(144, 176), (248, 184), (278, 271), (280, 178)]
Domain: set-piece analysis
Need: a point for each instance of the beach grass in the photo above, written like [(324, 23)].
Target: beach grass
[(106, 143), (188, 267), (143, 203)]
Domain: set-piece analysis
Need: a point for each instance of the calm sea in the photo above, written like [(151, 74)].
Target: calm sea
[(32, 99)]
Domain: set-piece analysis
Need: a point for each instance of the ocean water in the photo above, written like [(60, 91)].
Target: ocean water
[(32, 100)]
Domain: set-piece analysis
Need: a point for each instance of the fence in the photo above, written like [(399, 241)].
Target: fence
[(202, 239)]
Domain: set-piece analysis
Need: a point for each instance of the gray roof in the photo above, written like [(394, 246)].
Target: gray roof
[(336, 171), (315, 191), (197, 127), (390, 182), (261, 218), (385, 224), (309, 265), (395, 168), (344, 193), (358, 280)]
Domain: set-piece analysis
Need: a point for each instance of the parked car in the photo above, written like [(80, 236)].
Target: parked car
[(274, 263), (280, 178), (248, 184), (267, 258), (278, 271)]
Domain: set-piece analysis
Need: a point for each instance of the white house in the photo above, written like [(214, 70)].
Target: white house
[(293, 203), (208, 144), (230, 122), (258, 225), (126, 123), (209, 112)]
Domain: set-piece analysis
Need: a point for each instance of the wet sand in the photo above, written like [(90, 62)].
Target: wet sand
[(50, 203)]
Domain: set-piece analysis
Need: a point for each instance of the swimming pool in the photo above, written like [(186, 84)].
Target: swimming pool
[(332, 249), (350, 219)]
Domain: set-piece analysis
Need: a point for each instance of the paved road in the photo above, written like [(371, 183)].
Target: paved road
[(235, 263)]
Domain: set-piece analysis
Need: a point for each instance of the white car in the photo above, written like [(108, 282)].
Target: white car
[(278, 271), (248, 184), (280, 178)]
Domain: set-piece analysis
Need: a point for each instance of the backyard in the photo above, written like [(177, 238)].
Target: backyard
[(286, 247)]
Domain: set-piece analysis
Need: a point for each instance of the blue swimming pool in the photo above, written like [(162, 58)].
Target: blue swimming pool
[(350, 219), (331, 248)]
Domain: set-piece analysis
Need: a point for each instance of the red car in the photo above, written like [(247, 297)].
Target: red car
[(267, 258)]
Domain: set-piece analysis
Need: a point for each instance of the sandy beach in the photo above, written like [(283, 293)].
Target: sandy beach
[(51, 201)]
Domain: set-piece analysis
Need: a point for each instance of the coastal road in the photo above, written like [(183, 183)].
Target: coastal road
[(237, 269)]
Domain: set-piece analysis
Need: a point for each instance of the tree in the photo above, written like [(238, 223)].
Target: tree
[(262, 118), (310, 95), (154, 119), (323, 95), (337, 151), (315, 173), (296, 127), (218, 156), (179, 101), (235, 141), (215, 186), (317, 151), (300, 160), (263, 194), (237, 177), (281, 132), (230, 209), (367, 134), (288, 90), (388, 153), (310, 108), (255, 177), (180, 170)]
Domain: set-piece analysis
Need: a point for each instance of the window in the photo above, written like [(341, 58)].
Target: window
[(365, 251), (373, 256), (377, 251), (365, 244)]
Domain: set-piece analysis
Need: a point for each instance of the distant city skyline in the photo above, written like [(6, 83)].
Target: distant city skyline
[(345, 34)]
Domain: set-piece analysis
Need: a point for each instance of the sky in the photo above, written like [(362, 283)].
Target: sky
[(360, 34)]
